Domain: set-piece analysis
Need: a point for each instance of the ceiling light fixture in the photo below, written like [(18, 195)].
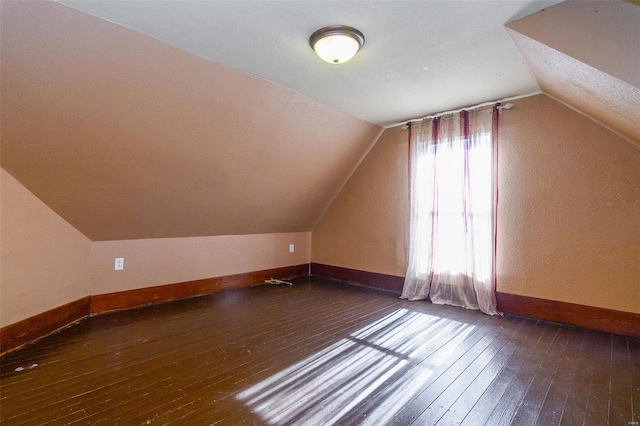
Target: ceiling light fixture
[(336, 44)]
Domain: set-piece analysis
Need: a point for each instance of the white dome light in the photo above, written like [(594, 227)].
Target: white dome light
[(336, 44)]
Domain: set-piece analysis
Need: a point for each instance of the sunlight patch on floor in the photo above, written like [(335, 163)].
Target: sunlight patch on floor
[(379, 368)]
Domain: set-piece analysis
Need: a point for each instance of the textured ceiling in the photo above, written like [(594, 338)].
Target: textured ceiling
[(419, 58), (587, 55)]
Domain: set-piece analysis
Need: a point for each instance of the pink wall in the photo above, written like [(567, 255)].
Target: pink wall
[(569, 226), (44, 260), (46, 263), (569, 216), (160, 261), (568, 219), (366, 226)]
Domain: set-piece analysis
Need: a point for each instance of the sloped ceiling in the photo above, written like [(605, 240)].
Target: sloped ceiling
[(419, 57), (127, 137), (587, 55), (177, 119)]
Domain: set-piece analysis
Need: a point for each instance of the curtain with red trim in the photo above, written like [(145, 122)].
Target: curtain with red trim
[(453, 210)]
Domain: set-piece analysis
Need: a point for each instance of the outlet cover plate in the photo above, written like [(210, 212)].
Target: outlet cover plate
[(119, 264)]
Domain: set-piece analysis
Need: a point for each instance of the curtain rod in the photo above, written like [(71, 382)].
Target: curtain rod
[(405, 123)]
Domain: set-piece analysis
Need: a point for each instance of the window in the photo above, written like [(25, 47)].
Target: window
[(452, 211)]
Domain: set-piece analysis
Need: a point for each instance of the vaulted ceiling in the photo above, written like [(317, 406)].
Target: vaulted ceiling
[(419, 57), (587, 55), (127, 137), (174, 119)]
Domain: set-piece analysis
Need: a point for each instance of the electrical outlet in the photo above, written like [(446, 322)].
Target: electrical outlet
[(292, 248), (119, 264)]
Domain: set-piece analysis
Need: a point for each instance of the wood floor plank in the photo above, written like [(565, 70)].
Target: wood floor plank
[(620, 389), (398, 390), (597, 412), (318, 352), (531, 404), (511, 400), (358, 384), (469, 397), (133, 363), (241, 365), (495, 391), (102, 346), (441, 378), (494, 354), (262, 371), (370, 403), (181, 392), (556, 398), (633, 346), (578, 393)]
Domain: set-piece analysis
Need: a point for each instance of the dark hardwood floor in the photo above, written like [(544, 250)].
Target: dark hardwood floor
[(320, 352)]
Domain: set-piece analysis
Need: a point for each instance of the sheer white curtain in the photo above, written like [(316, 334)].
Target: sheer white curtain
[(453, 199)]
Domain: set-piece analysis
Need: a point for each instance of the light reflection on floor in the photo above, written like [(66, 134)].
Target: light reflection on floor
[(388, 359)]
